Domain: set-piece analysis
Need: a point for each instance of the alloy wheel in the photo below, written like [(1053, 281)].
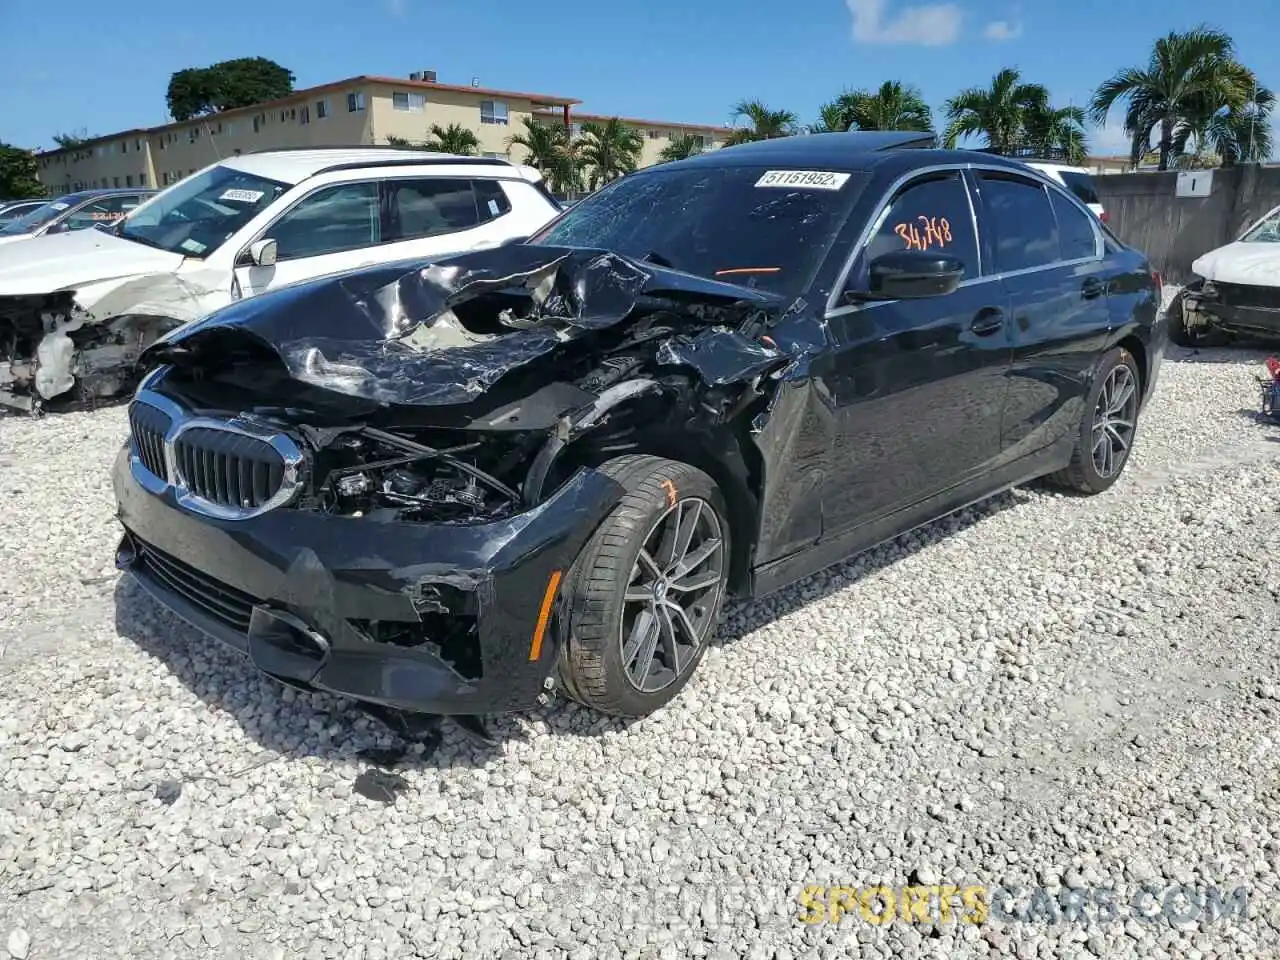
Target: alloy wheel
[(1114, 419), (672, 595)]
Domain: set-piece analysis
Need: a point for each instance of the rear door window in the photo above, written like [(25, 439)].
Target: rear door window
[(1081, 185), (1075, 229), (1019, 222), (429, 207)]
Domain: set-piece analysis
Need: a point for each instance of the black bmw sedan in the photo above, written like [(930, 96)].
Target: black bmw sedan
[(433, 486)]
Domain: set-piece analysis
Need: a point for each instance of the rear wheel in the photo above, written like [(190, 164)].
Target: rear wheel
[(645, 595), (1107, 428)]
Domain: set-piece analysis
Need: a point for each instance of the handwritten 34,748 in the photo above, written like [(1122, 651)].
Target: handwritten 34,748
[(924, 233)]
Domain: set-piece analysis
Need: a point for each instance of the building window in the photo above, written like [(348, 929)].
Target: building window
[(412, 102), (322, 108), (128, 180), (192, 134), (230, 128), (257, 124), (117, 180), (355, 102), (305, 118), (137, 145), (142, 179), (124, 146), (162, 142), (493, 111), (654, 134)]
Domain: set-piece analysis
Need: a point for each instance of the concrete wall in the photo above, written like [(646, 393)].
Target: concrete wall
[(1173, 231)]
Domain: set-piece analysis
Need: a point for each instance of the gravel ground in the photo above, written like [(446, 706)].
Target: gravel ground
[(1048, 692)]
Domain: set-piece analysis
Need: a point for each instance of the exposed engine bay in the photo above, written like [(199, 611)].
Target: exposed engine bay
[(468, 390), (50, 347)]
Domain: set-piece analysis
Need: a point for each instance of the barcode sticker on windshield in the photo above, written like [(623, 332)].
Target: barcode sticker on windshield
[(804, 179), (242, 196)]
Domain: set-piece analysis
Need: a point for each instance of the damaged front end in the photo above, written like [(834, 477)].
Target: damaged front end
[(1238, 308), (54, 349), (374, 483)]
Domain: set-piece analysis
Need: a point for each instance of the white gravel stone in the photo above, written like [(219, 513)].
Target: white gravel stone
[(1043, 689)]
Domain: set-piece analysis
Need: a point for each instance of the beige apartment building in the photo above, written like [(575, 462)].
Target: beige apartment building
[(361, 110)]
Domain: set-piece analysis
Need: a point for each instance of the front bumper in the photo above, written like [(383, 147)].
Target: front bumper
[(1249, 310), (299, 592)]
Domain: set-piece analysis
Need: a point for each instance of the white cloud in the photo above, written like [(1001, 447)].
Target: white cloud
[(1109, 140), (929, 25), (1001, 30)]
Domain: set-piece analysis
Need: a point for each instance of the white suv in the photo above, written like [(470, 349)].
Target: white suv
[(76, 309), (1076, 179)]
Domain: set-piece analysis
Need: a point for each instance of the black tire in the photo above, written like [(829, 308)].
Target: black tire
[(1179, 334), (1082, 474), (591, 668)]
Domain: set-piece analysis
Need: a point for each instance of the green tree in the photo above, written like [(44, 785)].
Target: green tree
[(394, 141), (18, 174), (681, 148), (894, 106), (999, 112), (67, 141), (764, 123), (455, 139), (1047, 128), (608, 150), (198, 91), (547, 147), (1192, 86)]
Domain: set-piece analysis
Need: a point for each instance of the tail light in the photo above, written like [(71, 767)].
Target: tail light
[(1159, 282)]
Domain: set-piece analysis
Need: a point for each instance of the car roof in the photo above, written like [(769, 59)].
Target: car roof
[(844, 152), (81, 195), (294, 166)]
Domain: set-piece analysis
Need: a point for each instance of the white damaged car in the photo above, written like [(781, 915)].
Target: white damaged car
[(76, 309), (1236, 290)]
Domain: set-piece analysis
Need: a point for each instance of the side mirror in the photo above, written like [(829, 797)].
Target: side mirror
[(262, 253), (909, 275), (61, 227)]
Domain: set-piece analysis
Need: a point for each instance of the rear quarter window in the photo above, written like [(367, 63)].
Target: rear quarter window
[(1080, 184)]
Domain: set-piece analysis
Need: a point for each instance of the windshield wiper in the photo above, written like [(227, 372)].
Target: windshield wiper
[(657, 259), (142, 240)]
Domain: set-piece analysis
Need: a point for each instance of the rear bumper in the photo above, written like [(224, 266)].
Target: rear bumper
[(312, 599)]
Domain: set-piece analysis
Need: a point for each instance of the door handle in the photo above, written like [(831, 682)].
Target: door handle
[(1092, 288), (988, 321)]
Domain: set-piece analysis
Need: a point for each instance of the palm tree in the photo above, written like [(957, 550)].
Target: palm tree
[(608, 150), (681, 148), (1189, 79), (394, 141), (1048, 129), (546, 147), (894, 106), (998, 112), (1243, 135), (455, 139), (766, 124)]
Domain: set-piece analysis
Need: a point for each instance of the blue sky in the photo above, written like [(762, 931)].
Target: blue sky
[(103, 66)]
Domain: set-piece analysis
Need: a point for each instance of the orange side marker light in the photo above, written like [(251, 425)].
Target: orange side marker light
[(544, 616)]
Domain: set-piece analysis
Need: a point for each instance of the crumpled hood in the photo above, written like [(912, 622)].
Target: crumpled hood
[(443, 333), (68, 260), (1252, 263)]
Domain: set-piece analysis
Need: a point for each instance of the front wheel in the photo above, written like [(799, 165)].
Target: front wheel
[(1108, 426), (644, 597)]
